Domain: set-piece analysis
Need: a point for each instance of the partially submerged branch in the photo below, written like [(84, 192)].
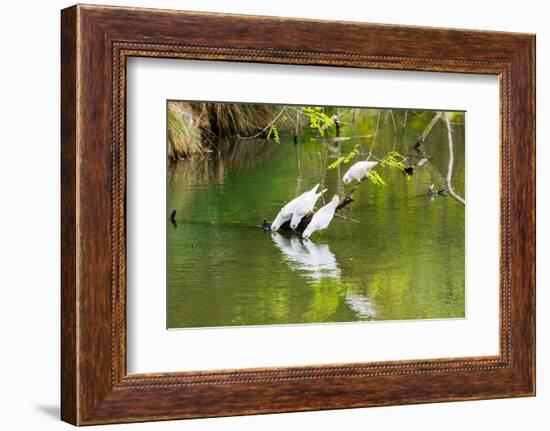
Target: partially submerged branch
[(348, 199), (451, 162), (340, 216), (428, 129)]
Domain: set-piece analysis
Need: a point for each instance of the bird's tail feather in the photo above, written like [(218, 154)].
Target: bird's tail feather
[(318, 195)]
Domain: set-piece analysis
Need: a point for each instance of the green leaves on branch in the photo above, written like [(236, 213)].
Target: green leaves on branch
[(394, 160), (375, 178), (318, 119), (345, 159), (273, 131)]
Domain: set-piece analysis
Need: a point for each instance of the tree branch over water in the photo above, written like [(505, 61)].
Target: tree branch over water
[(261, 132), (428, 128), (451, 161), (375, 136)]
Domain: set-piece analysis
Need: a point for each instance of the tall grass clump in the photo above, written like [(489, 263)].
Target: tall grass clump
[(232, 119), (195, 128), (184, 138)]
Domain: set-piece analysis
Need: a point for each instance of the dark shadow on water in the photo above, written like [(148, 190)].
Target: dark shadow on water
[(52, 411)]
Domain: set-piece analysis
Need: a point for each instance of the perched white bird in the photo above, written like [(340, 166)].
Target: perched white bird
[(286, 212), (303, 207), (358, 171), (322, 218)]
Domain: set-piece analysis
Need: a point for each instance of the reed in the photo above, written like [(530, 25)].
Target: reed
[(195, 128), (184, 138)]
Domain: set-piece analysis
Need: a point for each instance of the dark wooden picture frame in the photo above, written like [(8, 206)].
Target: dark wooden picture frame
[(96, 41)]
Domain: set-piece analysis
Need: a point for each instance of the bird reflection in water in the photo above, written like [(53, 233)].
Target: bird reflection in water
[(361, 305), (313, 261)]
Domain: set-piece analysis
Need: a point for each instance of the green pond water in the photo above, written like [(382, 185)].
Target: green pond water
[(404, 259)]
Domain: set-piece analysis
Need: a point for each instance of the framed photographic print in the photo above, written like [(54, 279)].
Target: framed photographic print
[(257, 219)]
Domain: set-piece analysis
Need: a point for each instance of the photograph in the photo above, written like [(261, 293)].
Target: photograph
[(301, 214), (275, 215)]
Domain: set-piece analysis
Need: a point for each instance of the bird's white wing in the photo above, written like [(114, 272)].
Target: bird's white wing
[(370, 165), (288, 209), (353, 173), (304, 206), (291, 206), (297, 217), (359, 170), (366, 167), (279, 220), (322, 218)]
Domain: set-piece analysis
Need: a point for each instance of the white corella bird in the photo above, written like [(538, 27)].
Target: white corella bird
[(303, 207), (358, 171), (322, 218), (286, 212)]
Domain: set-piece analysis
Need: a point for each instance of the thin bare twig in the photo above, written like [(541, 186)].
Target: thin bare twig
[(393, 120), (451, 162), (375, 135), (266, 128), (345, 218), (429, 127)]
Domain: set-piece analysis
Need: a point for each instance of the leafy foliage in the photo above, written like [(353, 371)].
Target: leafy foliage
[(394, 160), (318, 119), (274, 131), (345, 159), (375, 178)]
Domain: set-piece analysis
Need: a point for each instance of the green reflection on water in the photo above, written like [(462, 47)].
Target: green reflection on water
[(403, 260)]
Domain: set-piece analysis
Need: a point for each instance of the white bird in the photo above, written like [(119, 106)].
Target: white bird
[(322, 218), (358, 171), (286, 212), (303, 207)]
